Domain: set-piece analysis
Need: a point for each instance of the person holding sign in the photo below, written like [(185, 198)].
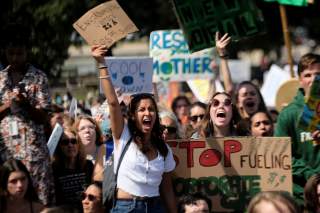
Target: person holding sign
[(145, 171), (305, 144)]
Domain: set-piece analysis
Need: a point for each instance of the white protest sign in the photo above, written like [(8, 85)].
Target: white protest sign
[(130, 75), (73, 108), (105, 24), (240, 70), (172, 60), (273, 80), (54, 138)]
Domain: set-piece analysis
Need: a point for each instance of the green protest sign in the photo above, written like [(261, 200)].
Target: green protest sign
[(202, 18), (290, 2)]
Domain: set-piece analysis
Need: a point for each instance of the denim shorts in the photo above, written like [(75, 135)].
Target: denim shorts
[(149, 205)]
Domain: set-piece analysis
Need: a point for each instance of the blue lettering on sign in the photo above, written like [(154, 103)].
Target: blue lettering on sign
[(173, 40), (166, 40), (175, 66), (127, 80), (131, 89), (155, 38)]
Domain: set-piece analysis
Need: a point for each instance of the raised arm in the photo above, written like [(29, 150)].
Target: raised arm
[(116, 118), (221, 44)]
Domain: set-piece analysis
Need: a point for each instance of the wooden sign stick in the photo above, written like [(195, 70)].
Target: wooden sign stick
[(286, 36)]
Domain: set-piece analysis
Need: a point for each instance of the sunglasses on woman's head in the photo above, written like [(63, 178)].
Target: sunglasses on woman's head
[(227, 102), (67, 141), (170, 129), (89, 196)]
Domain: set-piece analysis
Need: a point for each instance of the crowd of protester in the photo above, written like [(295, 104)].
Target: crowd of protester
[(71, 180)]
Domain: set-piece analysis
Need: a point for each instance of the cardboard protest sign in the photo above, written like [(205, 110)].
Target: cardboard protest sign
[(105, 24), (310, 116), (201, 19), (130, 75), (172, 60), (232, 170), (54, 138)]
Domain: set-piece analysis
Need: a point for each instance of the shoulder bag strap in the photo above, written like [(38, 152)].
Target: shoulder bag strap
[(121, 157)]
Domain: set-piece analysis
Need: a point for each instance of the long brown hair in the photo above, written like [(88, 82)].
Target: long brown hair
[(59, 157), (99, 138), (206, 127), (261, 106), (6, 169), (156, 132)]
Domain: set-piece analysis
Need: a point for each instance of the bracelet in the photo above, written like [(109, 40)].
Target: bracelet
[(104, 77), (103, 67)]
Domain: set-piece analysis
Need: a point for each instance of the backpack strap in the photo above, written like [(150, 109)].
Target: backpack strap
[(121, 157)]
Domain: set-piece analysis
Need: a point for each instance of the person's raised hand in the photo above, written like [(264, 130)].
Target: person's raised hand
[(98, 52), (222, 43)]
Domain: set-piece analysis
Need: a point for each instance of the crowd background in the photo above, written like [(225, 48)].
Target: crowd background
[(71, 178)]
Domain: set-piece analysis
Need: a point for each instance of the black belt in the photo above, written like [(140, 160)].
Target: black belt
[(144, 199)]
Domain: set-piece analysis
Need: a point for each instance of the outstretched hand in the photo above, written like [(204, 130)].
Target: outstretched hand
[(221, 43), (98, 52)]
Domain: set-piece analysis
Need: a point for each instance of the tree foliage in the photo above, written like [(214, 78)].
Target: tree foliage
[(50, 22)]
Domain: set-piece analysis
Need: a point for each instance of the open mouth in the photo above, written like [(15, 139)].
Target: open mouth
[(250, 104), (147, 122), (221, 114)]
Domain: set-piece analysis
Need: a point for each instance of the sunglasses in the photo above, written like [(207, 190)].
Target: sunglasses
[(170, 129), (65, 142), (215, 102), (89, 196), (195, 118)]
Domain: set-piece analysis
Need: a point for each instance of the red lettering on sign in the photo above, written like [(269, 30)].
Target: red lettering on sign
[(210, 157), (190, 146), (230, 146)]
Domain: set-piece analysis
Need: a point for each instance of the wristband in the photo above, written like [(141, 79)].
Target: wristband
[(104, 76), (103, 67)]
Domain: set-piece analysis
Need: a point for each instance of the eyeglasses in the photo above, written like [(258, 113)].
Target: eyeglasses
[(195, 118), (215, 102), (65, 142), (89, 196), (170, 129)]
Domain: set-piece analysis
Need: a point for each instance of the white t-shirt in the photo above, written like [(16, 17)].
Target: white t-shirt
[(137, 175)]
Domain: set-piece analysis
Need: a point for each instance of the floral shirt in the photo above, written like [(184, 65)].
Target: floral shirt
[(28, 143)]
